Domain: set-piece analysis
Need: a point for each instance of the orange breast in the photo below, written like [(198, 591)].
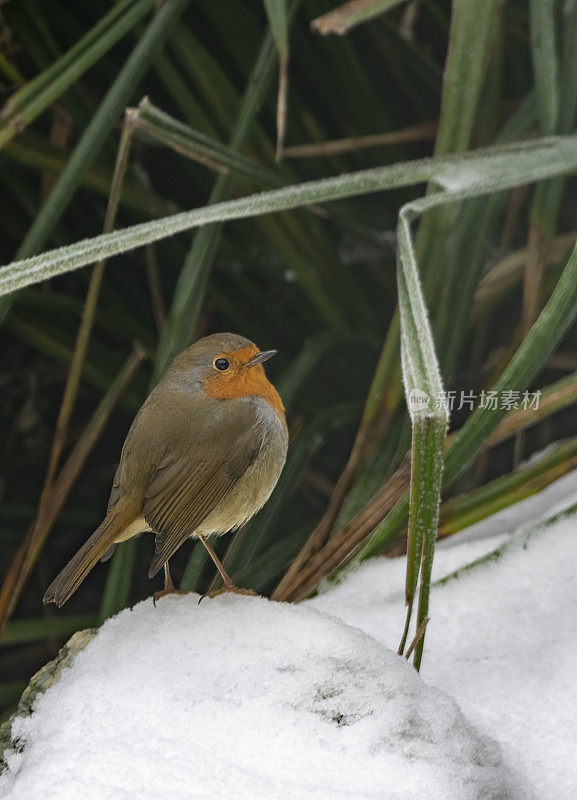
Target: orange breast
[(241, 380)]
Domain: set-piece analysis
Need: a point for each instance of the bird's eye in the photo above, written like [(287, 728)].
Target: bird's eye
[(221, 364)]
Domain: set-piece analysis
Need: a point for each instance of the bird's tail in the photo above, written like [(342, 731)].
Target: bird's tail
[(68, 581)]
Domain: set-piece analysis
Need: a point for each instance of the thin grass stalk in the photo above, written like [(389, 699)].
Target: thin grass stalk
[(200, 147), (155, 287), (278, 18), (419, 634), (27, 555), (98, 130), (420, 132), (10, 72), (282, 104), (87, 321), (429, 442)]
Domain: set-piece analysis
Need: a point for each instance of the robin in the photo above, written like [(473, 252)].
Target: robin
[(202, 456)]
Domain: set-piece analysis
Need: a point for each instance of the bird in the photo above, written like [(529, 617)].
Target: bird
[(202, 456)]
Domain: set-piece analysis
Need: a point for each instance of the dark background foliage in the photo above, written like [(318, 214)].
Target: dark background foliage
[(383, 76)]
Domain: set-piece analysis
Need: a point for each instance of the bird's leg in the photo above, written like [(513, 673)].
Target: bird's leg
[(169, 587), (227, 580), (168, 584)]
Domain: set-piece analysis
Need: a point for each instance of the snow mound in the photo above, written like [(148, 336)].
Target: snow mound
[(245, 698), (502, 639)]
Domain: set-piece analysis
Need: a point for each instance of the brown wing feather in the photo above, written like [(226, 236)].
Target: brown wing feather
[(184, 492), (115, 493), (116, 490)]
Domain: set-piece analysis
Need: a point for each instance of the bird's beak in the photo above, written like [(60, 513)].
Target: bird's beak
[(260, 358)]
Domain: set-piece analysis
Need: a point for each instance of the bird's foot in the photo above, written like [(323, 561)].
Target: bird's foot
[(228, 587), (164, 592)]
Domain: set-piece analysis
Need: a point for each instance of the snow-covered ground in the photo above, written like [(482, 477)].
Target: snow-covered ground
[(240, 697), (502, 638)]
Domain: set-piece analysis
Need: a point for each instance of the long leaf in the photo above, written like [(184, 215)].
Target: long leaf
[(423, 387), (462, 176)]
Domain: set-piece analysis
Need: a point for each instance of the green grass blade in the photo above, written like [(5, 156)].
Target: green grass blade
[(472, 30), (99, 129), (37, 95), (547, 200), (278, 19), (426, 474), (462, 176), (429, 419), (545, 62)]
